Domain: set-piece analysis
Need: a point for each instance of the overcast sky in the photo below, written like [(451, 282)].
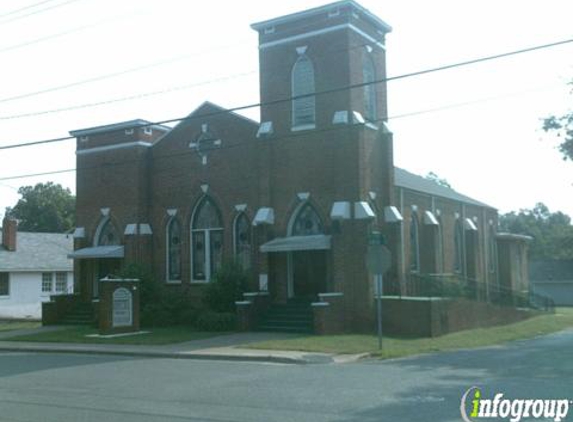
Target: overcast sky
[(476, 126)]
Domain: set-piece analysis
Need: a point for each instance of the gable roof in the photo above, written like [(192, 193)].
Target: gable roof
[(205, 110), (405, 179), (38, 252)]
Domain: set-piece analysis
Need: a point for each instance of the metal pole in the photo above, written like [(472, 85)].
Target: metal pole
[(379, 308)]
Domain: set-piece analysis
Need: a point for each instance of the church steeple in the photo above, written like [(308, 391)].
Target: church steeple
[(309, 59)]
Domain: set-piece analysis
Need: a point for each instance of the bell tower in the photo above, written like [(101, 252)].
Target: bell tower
[(313, 64)]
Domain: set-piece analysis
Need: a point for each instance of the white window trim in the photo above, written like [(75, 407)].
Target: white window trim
[(303, 127), (53, 291)]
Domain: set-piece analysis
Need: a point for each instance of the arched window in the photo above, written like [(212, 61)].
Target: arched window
[(307, 222), (107, 234), (173, 250), (458, 246), (243, 241), (206, 240), (370, 98), (303, 109), (414, 243)]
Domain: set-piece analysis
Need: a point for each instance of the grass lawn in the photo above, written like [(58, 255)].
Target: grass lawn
[(157, 336), (18, 325), (398, 347)]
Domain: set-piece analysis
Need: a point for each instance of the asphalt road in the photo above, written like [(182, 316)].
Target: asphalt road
[(85, 388)]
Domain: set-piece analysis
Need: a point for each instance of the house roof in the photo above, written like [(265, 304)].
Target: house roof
[(407, 180), (38, 252), (551, 270)]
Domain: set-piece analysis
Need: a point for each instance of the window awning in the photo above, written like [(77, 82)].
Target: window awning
[(297, 243), (114, 251)]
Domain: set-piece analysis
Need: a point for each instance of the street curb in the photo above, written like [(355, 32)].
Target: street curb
[(158, 354)]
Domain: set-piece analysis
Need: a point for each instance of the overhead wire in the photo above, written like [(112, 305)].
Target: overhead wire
[(323, 92), (37, 11)]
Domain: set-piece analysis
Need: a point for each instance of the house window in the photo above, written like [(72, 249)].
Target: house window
[(458, 246), (206, 240), (47, 282), (173, 250), (414, 243), (370, 100), (4, 284), (243, 241), (60, 285), (307, 222), (303, 109), (108, 235), (61, 282)]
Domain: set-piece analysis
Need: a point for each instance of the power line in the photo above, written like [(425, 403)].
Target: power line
[(25, 8), (127, 98), (193, 151), (141, 95), (324, 92), (149, 66), (266, 142), (38, 11), (60, 34)]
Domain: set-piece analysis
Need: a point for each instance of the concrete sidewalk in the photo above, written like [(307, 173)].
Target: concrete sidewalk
[(229, 347)]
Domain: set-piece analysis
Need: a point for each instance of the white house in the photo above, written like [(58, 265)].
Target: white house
[(33, 266)]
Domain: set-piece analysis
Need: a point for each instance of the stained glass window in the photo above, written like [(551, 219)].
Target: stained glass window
[(307, 222), (303, 109), (174, 250), (243, 241)]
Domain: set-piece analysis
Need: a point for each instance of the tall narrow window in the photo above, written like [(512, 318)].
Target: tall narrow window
[(458, 246), (243, 241), (61, 282), (414, 243), (440, 246), (369, 77), (47, 282), (4, 284), (303, 109), (206, 240), (307, 222), (173, 250)]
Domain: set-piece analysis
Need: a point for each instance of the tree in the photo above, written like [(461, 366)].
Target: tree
[(44, 208), (435, 178), (563, 127), (552, 233)]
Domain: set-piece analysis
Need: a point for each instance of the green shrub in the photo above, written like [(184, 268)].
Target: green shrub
[(160, 306), (216, 321), (227, 287)]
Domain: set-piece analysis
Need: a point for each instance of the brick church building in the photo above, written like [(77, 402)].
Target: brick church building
[(294, 197)]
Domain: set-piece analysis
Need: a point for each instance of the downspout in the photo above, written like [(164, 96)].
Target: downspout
[(485, 266), (402, 252)]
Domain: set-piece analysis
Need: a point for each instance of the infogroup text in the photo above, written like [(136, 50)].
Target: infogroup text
[(474, 407)]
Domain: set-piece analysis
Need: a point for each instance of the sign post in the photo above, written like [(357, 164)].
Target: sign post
[(378, 260)]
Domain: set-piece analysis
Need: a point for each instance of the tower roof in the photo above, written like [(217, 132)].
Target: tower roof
[(348, 5)]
